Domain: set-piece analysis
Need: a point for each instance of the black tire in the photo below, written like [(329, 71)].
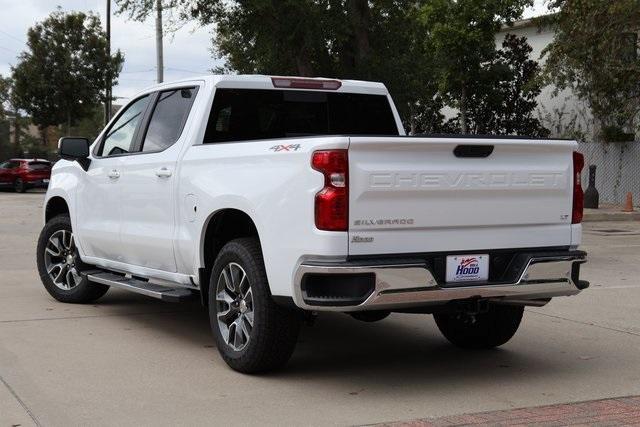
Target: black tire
[(273, 335), (485, 330), (83, 292), (19, 186)]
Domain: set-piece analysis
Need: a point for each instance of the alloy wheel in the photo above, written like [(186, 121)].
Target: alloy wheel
[(60, 260), (234, 302)]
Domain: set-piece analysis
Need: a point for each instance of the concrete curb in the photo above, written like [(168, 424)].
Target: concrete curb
[(593, 215), (620, 411)]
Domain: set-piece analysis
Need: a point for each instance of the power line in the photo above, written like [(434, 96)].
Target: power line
[(166, 68), (186, 71), (13, 37), (141, 71), (136, 80), (10, 50)]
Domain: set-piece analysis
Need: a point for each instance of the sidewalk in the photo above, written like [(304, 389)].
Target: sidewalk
[(610, 213), (622, 411)]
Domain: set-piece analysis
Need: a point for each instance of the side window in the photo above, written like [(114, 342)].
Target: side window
[(239, 114), (10, 164), (119, 137), (167, 121)]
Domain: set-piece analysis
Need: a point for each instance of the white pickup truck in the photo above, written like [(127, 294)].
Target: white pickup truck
[(275, 198)]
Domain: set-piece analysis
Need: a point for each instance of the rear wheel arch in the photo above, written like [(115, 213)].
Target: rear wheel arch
[(220, 228), (252, 333), (56, 206)]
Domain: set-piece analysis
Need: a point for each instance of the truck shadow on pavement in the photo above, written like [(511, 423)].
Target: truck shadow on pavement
[(402, 350)]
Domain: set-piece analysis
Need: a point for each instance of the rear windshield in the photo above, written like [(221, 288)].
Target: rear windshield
[(246, 114), (37, 166)]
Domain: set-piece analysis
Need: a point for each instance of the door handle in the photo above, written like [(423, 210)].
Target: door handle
[(113, 174), (163, 173)]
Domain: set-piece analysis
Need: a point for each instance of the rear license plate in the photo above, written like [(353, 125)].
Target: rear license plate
[(467, 268), (46, 181)]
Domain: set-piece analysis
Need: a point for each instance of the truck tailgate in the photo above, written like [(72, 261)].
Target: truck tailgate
[(415, 195)]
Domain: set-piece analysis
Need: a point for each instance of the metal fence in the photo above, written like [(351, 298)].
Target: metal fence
[(617, 172)]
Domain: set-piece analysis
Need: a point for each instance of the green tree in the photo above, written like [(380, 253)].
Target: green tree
[(595, 54), (360, 39), (8, 148), (502, 99), (5, 91), (302, 37), (428, 53), (285, 37), (5, 144), (91, 125), (62, 75), (461, 36)]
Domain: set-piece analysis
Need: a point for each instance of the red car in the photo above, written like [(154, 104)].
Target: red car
[(22, 174)]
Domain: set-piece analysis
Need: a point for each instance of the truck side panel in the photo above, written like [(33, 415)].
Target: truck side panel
[(275, 187)]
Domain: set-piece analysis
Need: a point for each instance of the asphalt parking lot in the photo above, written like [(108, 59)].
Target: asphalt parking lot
[(136, 361)]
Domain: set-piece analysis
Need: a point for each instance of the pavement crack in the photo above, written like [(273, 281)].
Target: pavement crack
[(586, 323), (21, 402)]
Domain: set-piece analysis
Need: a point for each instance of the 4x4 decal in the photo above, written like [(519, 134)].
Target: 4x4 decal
[(290, 147)]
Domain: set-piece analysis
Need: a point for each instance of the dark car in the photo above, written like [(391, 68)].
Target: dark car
[(22, 174)]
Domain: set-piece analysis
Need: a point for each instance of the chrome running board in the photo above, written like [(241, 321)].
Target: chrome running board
[(143, 287)]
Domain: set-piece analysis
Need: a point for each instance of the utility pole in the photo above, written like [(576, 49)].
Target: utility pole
[(107, 103), (159, 59)]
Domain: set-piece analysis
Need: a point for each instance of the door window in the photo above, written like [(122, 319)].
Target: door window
[(119, 138), (167, 121)]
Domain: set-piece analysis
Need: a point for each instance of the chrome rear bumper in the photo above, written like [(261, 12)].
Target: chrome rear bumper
[(412, 284)]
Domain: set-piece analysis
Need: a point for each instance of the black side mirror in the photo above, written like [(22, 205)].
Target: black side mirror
[(75, 148)]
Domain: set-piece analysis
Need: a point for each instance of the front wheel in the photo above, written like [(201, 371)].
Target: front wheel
[(19, 186), (483, 330), (252, 333), (60, 266)]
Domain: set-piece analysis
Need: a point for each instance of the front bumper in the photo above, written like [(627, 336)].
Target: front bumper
[(398, 284)]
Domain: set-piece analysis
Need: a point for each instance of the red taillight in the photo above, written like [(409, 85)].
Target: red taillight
[(578, 195), (332, 202), (298, 83)]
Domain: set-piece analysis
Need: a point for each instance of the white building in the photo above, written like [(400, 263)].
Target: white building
[(562, 112), (618, 164)]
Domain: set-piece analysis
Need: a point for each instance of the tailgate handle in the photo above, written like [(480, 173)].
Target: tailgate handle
[(473, 151)]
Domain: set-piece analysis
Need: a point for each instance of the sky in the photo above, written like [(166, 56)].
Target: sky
[(186, 53)]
